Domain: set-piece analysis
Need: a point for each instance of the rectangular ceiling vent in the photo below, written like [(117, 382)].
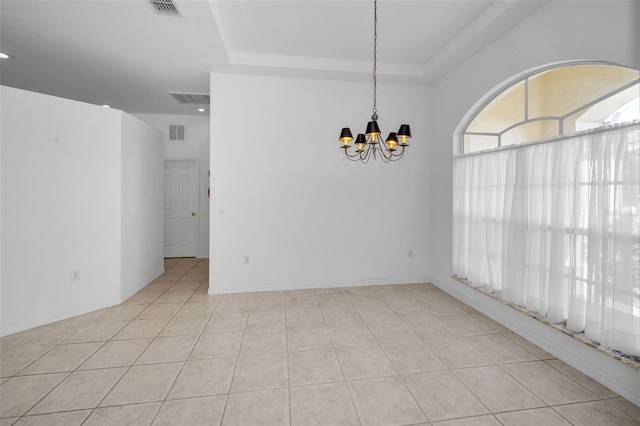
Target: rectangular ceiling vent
[(176, 132), (165, 7), (191, 98)]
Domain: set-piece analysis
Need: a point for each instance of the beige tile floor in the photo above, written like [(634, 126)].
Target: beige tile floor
[(387, 355)]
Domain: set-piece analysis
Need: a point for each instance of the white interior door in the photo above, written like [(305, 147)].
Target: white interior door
[(180, 208)]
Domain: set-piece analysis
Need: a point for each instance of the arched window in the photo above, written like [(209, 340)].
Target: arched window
[(546, 200), (555, 102)]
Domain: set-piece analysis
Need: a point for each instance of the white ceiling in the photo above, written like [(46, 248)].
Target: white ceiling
[(121, 53)]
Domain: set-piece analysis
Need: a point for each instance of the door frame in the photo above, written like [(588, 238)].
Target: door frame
[(195, 161)]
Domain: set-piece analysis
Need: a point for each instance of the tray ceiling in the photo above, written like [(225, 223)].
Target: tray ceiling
[(124, 54)]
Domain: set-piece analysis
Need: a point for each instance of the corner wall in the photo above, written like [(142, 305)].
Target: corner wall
[(558, 32), (78, 194), (61, 203), (284, 194), (142, 205)]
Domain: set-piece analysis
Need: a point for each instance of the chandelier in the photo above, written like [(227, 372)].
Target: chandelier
[(370, 143)]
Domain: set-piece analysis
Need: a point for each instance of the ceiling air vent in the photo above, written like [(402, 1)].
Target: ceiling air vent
[(165, 7), (176, 132), (191, 98)]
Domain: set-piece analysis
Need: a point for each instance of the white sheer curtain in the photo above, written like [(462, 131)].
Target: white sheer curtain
[(555, 228)]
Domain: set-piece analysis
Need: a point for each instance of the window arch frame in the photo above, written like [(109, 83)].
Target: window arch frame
[(492, 94)]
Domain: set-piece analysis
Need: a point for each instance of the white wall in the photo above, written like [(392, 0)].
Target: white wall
[(78, 194), (560, 31), (1, 203), (142, 205), (194, 147), (284, 194), (61, 201)]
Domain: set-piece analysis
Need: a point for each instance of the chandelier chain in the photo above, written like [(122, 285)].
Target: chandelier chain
[(375, 56), (370, 143)]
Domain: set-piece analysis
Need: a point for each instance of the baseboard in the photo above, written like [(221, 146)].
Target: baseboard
[(80, 310), (126, 293), (606, 370), (277, 286), (37, 322)]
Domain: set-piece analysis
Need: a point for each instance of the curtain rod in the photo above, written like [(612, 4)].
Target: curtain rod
[(553, 139)]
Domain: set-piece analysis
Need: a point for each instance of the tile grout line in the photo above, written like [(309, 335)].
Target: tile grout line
[(346, 383), (573, 380), (235, 367), (133, 363), (378, 344), (548, 405), (449, 370), (286, 346), (69, 373), (494, 364), (400, 377), (130, 367), (186, 360)]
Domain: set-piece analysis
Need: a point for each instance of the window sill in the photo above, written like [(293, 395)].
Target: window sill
[(560, 327)]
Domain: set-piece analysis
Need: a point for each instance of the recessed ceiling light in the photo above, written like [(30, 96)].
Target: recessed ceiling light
[(201, 109), (5, 56), (106, 106)]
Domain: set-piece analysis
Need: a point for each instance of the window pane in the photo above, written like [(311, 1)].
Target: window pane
[(474, 143), (505, 110), (569, 124), (532, 131), (559, 91), (619, 108)]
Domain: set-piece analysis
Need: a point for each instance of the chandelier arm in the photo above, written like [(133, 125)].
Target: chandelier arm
[(362, 155), (367, 154), (386, 154), (386, 149), (395, 157), (401, 152), (370, 153), (389, 155), (354, 157)]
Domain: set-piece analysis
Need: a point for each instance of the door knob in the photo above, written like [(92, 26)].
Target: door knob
[(193, 213)]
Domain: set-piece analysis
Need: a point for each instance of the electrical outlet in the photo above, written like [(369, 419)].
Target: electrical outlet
[(75, 275), (246, 259)]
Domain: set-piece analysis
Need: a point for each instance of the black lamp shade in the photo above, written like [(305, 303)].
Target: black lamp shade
[(372, 129), (405, 131), (361, 138), (345, 135), (392, 139)]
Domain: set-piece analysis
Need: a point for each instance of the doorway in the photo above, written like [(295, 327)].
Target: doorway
[(181, 204)]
